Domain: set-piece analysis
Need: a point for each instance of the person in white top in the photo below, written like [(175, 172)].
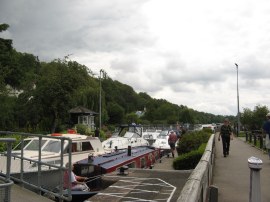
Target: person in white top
[(77, 182)]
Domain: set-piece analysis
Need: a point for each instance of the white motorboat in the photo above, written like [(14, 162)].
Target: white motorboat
[(151, 135), (128, 135), (162, 140), (50, 147), (204, 126)]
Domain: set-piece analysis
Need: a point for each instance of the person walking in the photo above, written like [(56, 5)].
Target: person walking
[(226, 135), (171, 141), (266, 129)]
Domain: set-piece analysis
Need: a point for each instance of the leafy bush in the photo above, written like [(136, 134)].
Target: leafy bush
[(189, 160), (3, 146), (208, 130), (192, 141), (81, 129)]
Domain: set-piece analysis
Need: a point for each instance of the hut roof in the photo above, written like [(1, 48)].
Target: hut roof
[(81, 110)]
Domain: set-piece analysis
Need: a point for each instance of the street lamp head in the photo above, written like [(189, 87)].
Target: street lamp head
[(236, 65)]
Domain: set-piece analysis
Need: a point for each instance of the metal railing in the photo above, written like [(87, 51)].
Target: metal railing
[(256, 138), (5, 182), (38, 174), (197, 186)]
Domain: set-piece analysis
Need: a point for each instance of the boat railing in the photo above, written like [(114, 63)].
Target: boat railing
[(197, 187), (5, 182), (38, 186)]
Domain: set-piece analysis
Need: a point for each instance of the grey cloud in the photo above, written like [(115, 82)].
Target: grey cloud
[(69, 26)]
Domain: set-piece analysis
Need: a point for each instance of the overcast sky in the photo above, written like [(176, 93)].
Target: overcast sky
[(181, 51)]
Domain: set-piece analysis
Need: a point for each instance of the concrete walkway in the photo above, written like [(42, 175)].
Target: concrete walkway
[(166, 162), (232, 174)]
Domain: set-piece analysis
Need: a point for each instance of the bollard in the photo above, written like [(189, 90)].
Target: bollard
[(129, 150), (255, 165), (213, 193), (261, 142)]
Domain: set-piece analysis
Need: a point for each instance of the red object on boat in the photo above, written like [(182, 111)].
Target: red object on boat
[(71, 131), (56, 134)]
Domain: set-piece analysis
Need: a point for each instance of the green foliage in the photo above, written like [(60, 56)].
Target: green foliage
[(192, 141), (81, 129), (253, 120), (7, 113), (115, 113), (208, 130), (132, 118), (3, 27), (189, 160), (102, 135), (3, 146), (58, 82), (190, 149)]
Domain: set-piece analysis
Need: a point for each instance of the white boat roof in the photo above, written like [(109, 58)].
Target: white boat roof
[(71, 136)]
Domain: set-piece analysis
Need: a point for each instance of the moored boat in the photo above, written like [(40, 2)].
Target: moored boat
[(47, 149), (162, 142), (151, 135), (128, 135), (138, 157)]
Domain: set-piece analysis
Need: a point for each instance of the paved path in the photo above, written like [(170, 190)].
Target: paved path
[(232, 174), (166, 163)]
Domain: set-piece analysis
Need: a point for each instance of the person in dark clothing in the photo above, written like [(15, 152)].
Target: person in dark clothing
[(266, 129), (97, 132), (226, 136)]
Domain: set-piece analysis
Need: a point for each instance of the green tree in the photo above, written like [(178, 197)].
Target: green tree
[(115, 113), (186, 116), (5, 59), (56, 86), (247, 118), (259, 116), (132, 118), (253, 120)]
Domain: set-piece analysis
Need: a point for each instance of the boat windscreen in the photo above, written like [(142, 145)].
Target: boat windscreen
[(52, 146), (163, 133), (19, 146), (34, 145), (131, 135)]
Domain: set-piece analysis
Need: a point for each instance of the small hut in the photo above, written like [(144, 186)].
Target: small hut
[(82, 115)]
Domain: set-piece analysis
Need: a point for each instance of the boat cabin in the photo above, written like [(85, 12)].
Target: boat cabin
[(139, 157), (50, 147)]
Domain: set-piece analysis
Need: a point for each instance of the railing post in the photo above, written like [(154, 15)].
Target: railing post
[(250, 137), (261, 141), (246, 136), (255, 165), (8, 182), (255, 139)]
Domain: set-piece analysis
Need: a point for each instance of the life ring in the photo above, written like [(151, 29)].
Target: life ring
[(56, 134)]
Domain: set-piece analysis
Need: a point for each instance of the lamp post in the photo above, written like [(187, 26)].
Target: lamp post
[(238, 113), (101, 71)]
